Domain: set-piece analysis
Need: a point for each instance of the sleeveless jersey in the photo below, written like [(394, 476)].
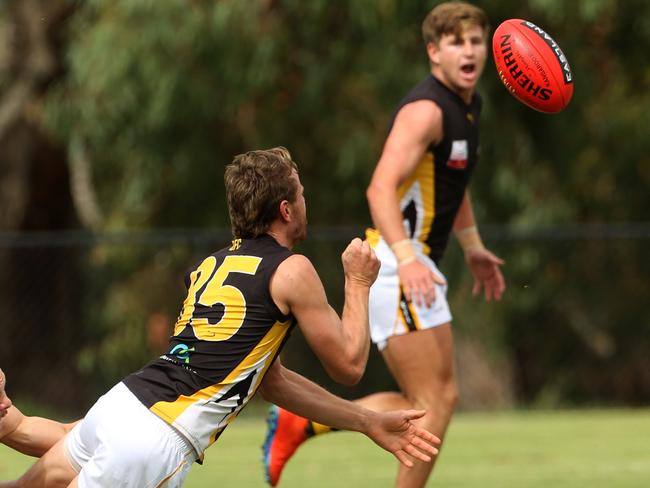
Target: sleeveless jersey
[(228, 334), (431, 196)]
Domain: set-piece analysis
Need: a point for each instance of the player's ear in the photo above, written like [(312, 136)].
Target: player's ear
[(285, 210), (433, 53)]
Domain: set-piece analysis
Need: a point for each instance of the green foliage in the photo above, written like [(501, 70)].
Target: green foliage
[(165, 94)]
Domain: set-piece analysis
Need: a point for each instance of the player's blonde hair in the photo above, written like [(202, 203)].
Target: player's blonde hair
[(256, 182), (452, 18)]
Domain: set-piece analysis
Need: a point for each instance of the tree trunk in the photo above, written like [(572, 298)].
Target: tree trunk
[(40, 339)]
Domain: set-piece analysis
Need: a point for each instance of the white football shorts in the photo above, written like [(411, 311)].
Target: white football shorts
[(390, 314), (120, 443)]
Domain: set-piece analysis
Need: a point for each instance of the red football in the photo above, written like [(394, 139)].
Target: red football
[(532, 66)]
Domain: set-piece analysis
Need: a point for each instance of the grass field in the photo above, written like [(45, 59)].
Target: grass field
[(559, 449)]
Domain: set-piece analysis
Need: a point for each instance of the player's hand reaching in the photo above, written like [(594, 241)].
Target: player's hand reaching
[(360, 264), (395, 432), (485, 267), (418, 283)]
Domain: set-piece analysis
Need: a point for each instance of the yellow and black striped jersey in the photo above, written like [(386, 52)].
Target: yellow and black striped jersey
[(227, 335), (431, 196)]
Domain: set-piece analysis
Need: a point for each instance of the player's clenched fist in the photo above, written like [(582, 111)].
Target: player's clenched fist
[(360, 264)]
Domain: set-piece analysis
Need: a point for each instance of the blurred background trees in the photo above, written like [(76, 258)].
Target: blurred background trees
[(117, 119)]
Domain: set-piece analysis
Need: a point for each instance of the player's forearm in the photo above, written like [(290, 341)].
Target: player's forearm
[(356, 342), (465, 215), (465, 227), (10, 422), (301, 396), (34, 436), (385, 212)]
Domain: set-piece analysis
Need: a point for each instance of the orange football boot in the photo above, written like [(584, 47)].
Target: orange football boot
[(286, 432)]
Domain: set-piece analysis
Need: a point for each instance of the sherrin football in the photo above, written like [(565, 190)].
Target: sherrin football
[(532, 66)]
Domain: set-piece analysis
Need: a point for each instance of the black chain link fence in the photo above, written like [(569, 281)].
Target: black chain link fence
[(81, 310)]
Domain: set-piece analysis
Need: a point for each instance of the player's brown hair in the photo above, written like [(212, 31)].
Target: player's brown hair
[(452, 18), (256, 182)]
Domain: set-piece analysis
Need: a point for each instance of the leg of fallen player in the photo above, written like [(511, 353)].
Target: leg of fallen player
[(53, 470)]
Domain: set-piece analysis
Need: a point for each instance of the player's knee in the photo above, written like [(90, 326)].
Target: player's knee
[(450, 395), (438, 394)]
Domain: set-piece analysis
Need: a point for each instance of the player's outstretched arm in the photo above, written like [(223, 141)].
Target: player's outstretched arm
[(341, 344), (32, 436), (394, 431)]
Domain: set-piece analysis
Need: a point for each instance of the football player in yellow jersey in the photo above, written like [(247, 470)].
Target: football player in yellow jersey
[(417, 197), (241, 303)]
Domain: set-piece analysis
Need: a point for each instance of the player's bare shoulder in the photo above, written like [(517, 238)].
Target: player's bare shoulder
[(420, 118), (294, 278), (417, 125), (295, 267)]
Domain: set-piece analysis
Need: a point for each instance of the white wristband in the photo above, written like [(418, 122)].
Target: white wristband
[(403, 251), (469, 238)]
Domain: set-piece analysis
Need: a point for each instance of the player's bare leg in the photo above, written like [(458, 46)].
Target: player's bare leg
[(53, 470), (422, 364), (385, 401)]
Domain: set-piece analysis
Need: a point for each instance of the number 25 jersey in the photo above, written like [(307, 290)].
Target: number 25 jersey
[(228, 334)]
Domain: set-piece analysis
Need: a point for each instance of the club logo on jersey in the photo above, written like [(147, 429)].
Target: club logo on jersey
[(458, 156), (182, 352), (236, 244)]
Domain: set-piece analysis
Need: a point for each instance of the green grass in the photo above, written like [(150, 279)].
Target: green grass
[(592, 448)]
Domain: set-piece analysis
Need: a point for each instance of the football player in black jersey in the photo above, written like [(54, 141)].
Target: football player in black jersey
[(241, 304), (417, 197)]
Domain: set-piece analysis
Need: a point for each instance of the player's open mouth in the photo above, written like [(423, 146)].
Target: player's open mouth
[(468, 68)]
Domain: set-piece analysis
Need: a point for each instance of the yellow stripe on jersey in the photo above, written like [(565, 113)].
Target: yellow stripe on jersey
[(423, 197), (426, 172), (372, 236), (268, 346)]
